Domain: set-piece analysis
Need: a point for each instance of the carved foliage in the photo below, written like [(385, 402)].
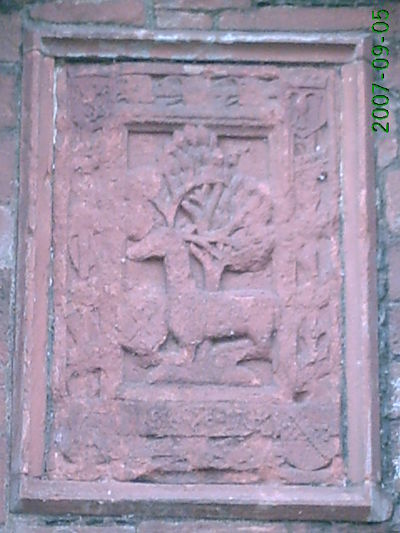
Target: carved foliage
[(315, 238), (224, 218)]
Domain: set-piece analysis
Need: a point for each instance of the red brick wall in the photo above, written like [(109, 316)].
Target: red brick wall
[(203, 14)]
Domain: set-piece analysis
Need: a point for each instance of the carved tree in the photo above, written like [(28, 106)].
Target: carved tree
[(227, 227), (224, 218)]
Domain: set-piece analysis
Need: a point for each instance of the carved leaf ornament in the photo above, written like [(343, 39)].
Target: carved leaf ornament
[(222, 216)]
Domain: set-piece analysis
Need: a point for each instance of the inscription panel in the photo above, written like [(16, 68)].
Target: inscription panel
[(197, 275)]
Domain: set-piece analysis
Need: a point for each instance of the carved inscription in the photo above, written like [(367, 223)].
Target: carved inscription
[(196, 276)]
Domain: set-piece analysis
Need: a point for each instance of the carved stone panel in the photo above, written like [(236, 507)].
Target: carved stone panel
[(196, 280), (196, 276)]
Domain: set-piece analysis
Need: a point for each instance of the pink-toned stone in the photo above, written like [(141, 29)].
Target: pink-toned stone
[(108, 11), (34, 244), (180, 287), (393, 200), (193, 249), (168, 18), (291, 18)]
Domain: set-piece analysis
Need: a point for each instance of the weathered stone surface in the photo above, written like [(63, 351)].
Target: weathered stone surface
[(184, 287), (196, 299)]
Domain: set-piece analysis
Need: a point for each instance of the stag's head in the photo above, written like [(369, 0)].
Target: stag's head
[(154, 245)]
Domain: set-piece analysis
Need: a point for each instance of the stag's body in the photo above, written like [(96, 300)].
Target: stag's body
[(195, 315)]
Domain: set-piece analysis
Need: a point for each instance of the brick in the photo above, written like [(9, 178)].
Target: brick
[(394, 267), (203, 5), (10, 37), (393, 409), (206, 526), (394, 328), (293, 18), (8, 163), (109, 11), (393, 200), (167, 18), (8, 105), (387, 149)]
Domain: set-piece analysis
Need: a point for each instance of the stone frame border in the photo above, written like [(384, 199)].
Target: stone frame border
[(363, 498)]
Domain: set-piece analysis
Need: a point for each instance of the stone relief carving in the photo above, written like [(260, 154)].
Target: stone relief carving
[(173, 240), (316, 239), (203, 211)]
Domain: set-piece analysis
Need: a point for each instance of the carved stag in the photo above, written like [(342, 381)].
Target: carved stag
[(222, 220)]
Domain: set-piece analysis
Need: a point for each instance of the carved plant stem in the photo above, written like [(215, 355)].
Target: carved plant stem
[(212, 269)]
